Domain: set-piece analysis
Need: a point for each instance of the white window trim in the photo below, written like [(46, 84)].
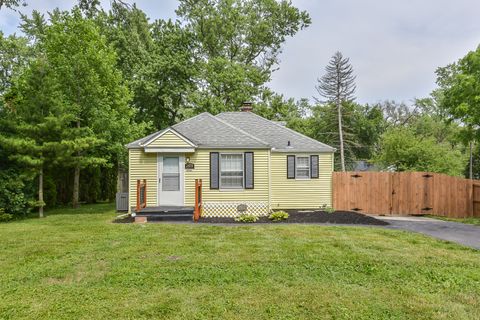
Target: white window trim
[(221, 188), (309, 167)]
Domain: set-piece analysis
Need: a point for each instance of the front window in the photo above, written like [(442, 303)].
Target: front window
[(231, 171), (302, 167)]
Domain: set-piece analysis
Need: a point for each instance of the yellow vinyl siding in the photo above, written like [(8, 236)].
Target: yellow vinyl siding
[(296, 193), (170, 140), (201, 160), (142, 165)]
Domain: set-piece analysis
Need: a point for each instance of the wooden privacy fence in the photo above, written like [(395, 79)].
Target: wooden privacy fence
[(405, 193)]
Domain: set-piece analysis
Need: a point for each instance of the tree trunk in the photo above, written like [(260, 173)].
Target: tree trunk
[(40, 192), (76, 186), (76, 180), (340, 134)]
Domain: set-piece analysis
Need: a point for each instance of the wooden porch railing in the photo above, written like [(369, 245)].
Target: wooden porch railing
[(198, 200), (141, 194)]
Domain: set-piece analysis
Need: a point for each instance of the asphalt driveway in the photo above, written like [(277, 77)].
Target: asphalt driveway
[(465, 234)]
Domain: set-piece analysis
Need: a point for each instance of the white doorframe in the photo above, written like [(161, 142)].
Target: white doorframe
[(170, 198)]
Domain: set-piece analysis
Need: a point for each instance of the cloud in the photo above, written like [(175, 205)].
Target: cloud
[(394, 46)]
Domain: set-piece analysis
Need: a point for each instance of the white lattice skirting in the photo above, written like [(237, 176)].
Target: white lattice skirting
[(231, 209)]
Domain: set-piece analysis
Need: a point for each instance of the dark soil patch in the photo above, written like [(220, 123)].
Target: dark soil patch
[(299, 216), (126, 219)]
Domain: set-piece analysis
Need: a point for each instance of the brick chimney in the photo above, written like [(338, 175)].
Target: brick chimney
[(246, 107)]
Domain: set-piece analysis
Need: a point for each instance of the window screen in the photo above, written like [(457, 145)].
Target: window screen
[(290, 167), (214, 170), (314, 166), (249, 170), (171, 174), (302, 167), (231, 171)]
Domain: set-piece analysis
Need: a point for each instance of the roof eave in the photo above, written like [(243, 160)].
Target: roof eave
[(233, 147), (304, 150)]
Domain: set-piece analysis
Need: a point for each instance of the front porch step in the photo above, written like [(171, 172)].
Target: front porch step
[(167, 217), (166, 213)]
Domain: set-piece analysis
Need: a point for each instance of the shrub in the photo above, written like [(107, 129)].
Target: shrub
[(247, 218), (5, 216), (278, 216), (328, 209), (14, 199)]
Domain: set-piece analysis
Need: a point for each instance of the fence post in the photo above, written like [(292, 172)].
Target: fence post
[(195, 211), (138, 196), (144, 193)]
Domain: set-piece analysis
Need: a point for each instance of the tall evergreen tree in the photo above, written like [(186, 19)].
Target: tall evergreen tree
[(96, 97), (35, 117), (337, 86)]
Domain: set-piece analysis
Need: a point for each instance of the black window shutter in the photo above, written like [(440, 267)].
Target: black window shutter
[(249, 170), (290, 167), (314, 166), (214, 170)]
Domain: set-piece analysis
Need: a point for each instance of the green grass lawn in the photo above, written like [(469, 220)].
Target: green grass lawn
[(471, 220), (82, 266)]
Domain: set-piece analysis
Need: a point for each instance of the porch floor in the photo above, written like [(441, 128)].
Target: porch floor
[(164, 209)]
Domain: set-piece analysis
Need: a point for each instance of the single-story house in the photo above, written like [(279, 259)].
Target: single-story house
[(244, 160)]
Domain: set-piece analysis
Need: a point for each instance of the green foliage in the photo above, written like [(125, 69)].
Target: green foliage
[(237, 44), (12, 4), (460, 89), (14, 56), (246, 218), (278, 216), (4, 217), (14, 196), (96, 97), (166, 80), (328, 209), (362, 129), (404, 150)]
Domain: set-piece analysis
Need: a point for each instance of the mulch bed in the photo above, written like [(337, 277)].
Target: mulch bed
[(299, 216)]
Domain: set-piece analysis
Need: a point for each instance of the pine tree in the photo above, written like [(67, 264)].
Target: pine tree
[(337, 86), (34, 116)]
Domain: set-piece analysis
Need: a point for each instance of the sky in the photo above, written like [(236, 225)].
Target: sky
[(394, 46)]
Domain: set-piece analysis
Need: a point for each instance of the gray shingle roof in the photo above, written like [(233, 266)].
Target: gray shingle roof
[(138, 143), (240, 130), (275, 134), (207, 131)]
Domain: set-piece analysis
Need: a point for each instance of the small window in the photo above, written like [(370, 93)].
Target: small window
[(302, 168), (231, 170)]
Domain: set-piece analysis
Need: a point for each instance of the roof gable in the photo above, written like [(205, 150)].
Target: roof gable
[(168, 138)]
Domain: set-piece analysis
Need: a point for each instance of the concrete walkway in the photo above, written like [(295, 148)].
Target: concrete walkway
[(465, 234)]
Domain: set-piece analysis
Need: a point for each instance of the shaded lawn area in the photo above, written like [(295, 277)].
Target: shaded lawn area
[(471, 220), (82, 266)]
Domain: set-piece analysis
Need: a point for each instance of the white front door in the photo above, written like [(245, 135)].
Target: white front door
[(170, 180)]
